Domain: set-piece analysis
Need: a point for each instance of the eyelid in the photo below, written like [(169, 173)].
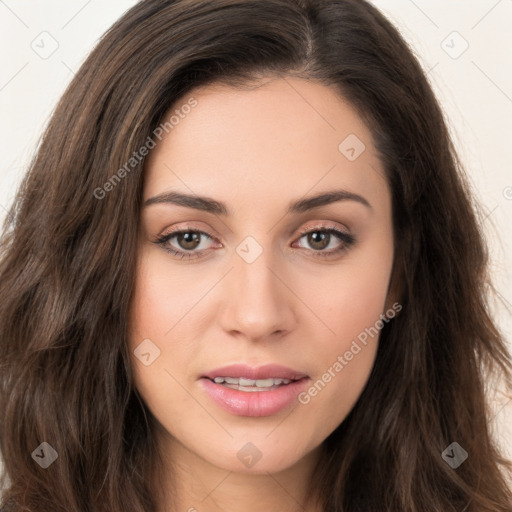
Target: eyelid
[(302, 231), (186, 228), (170, 234), (320, 227)]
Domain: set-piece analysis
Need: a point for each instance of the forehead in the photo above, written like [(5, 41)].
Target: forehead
[(283, 132)]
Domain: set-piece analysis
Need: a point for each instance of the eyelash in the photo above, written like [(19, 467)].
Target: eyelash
[(348, 241)]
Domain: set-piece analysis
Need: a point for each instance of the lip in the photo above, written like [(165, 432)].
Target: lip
[(266, 371), (257, 403)]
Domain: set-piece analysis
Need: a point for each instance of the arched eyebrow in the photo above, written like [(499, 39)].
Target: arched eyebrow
[(210, 205), (325, 198)]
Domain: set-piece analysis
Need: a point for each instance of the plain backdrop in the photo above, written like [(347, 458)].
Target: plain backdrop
[(464, 46)]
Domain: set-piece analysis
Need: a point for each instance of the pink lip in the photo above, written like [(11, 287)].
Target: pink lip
[(261, 372), (258, 403)]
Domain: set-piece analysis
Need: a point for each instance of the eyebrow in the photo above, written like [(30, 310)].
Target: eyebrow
[(210, 205)]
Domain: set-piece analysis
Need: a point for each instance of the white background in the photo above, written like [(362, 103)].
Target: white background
[(475, 88)]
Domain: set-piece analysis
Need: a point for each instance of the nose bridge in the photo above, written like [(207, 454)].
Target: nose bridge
[(258, 303)]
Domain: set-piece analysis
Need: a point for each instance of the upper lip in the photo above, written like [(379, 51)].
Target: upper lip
[(266, 371)]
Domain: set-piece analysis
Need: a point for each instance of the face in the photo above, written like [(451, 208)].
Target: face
[(273, 294)]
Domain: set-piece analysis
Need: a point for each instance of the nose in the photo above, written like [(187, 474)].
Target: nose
[(258, 303)]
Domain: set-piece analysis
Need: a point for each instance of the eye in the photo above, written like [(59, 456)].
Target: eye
[(186, 243), (324, 237), (189, 243)]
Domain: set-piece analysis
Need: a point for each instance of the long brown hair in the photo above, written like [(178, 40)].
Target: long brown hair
[(68, 253)]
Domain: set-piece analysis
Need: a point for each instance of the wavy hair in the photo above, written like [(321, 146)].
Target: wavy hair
[(68, 258)]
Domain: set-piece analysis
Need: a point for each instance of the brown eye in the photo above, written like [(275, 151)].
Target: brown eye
[(318, 240), (185, 243), (188, 240)]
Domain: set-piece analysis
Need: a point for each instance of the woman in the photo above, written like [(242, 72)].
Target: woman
[(244, 272)]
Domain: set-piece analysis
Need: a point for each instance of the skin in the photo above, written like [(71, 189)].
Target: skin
[(257, 150)]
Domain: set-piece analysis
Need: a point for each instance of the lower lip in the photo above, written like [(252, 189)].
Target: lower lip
[(254, 403)]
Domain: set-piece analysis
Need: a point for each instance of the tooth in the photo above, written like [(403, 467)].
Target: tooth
[(231, 386), (253, 389), (246, 382), (263, 383)]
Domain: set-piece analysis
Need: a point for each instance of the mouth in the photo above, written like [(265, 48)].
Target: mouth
[(246, 391)]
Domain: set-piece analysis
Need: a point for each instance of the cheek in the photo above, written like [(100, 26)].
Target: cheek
[(350, 302), (163, 296), (349, 298), (158, 321)]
